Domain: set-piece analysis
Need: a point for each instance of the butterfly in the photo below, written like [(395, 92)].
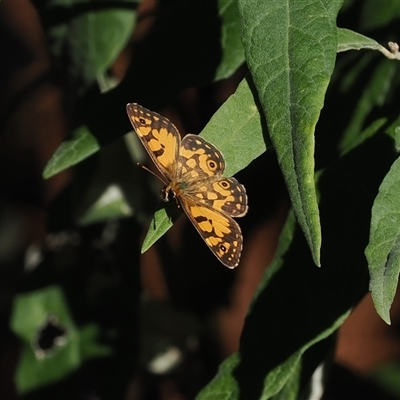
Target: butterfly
[(192, 171)]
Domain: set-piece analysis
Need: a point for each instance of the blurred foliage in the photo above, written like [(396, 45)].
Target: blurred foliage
[(320, 114), (43, 313)]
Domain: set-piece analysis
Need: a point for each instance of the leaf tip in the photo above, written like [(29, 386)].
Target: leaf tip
[(46, 173), (386, 317), (145, 247)]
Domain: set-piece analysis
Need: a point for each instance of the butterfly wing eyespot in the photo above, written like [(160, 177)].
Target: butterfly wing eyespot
[(212, 165)]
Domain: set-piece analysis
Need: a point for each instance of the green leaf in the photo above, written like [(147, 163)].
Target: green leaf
[(290, 49), (231, 44), (160, 224), (290, 390), (96, 38), (90, 35), (224, 385), (236, 130), (383, 250), (32, 312), (278, 378), (393, 130), (374, 95), (350, 40), (355, 141), (82, 145), (111, 205)]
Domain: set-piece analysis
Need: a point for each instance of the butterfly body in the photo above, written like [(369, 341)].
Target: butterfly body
[(192, 171)]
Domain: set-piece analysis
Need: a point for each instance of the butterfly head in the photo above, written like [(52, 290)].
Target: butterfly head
[(169, 192)]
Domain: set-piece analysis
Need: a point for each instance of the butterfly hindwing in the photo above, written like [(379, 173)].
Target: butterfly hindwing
[(226, 195), (221, 233)]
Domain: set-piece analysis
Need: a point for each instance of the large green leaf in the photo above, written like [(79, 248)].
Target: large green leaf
[(383, 250), (290, 49), (236, 130), (231, 44)]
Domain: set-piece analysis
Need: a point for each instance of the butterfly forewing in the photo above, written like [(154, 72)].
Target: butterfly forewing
[(159, 136)]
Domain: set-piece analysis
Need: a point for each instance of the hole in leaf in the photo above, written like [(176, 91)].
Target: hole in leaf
[(50, 336)]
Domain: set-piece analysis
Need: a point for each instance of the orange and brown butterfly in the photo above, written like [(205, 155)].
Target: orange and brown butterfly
[(192, 172)]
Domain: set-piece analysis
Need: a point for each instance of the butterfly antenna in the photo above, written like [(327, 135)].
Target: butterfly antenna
[(149, 170)]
